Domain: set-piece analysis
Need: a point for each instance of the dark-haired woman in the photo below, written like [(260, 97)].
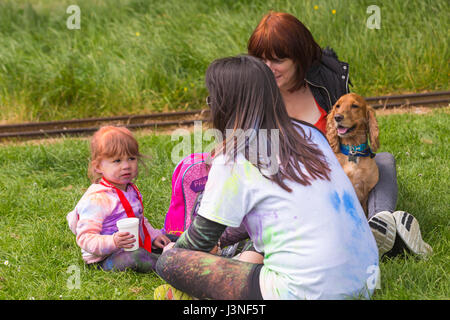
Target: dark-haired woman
[(296, 202), (311, 80)]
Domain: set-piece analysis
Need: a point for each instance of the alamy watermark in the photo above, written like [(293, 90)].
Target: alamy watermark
[(260, 147), (374, 20), (74, 280), (374, 280), (74, 20)]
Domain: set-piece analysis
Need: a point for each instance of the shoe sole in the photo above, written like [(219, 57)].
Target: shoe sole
[(409, 231), (160, 293), (384, 230), (167, 292)]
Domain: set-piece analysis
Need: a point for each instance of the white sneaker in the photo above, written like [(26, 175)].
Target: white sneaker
[(383, 227), (409, 231)]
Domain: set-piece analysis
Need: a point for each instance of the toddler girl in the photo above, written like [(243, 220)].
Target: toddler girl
[(112, 197)]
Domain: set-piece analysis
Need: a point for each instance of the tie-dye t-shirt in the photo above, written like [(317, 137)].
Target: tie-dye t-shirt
[(94, 220), (316, 240)]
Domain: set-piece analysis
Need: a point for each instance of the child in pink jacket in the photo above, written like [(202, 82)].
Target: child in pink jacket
[(112, 197)]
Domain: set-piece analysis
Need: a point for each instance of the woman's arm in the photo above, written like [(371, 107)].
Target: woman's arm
[(233, 235), (202, 235)]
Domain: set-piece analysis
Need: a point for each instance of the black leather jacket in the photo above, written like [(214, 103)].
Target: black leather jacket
[(328, 80)]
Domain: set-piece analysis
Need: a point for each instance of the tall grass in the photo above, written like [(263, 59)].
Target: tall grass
[(140, 56)]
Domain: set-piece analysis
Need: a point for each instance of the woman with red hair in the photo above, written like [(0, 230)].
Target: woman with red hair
[(311, 80)]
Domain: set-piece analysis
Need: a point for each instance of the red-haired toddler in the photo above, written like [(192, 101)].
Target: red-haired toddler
[(112, 197)]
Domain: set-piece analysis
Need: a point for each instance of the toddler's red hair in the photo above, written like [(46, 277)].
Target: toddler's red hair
[(108, 142)]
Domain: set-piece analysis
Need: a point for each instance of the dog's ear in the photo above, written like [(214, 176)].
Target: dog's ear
[(332, 136), (373, 129)]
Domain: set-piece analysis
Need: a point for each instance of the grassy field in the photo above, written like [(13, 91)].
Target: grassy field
[(41, 182), (141, 56)]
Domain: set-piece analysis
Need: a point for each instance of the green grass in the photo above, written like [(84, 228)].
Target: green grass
[(50, 179), (140, 56), (41, 182)]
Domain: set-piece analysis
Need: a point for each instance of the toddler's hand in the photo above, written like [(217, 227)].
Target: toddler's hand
[(161, 241), (124, 240)]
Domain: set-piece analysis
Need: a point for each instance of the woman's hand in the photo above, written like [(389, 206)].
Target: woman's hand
[(215, 250), (168, 247), (161, 241), (124, 240)]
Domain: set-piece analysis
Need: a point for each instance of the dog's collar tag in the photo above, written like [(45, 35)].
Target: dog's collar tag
[(353, 152), (352, 157)]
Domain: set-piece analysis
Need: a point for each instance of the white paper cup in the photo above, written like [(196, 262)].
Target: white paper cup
[(130, 225)]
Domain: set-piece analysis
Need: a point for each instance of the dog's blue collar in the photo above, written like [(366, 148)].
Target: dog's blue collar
[(362, 150)]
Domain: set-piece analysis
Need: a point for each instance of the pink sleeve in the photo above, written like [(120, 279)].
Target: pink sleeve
[(92, 210), (152, 231)]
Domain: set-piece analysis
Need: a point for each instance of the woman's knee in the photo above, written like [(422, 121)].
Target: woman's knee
[(383, 197), (385, 159), (387, 171), (167, 258)]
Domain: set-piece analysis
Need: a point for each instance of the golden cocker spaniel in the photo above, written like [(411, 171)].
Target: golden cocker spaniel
[(350, 125)]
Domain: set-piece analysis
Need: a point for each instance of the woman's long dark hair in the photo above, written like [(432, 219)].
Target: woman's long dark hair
[(243, 94)]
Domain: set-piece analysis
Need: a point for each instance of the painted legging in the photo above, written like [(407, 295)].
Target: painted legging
[(139, 260), (190, 268), (206, 276)]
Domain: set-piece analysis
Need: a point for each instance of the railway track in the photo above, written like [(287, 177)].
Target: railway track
[(185, 118)]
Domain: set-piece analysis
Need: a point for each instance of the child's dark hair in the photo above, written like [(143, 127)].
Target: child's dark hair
[(244, 95)]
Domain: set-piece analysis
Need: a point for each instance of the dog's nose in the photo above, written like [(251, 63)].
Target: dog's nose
[(338, 117)]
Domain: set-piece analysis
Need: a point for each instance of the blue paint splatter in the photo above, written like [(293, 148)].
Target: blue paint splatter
[(108, 265), (350, 207), (335, 200)]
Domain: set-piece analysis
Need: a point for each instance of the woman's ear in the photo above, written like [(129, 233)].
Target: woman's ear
[(331, 135), (373, 129)]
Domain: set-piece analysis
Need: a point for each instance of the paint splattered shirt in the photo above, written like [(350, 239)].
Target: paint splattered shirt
[(316, 239), (94, 218)]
